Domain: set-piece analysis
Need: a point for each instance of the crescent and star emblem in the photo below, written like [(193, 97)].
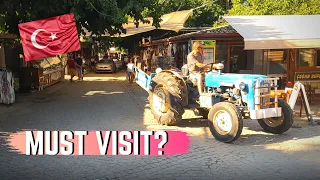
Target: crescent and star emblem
[(34, 41)]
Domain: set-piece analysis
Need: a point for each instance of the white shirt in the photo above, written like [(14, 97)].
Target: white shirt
[(130, 67)]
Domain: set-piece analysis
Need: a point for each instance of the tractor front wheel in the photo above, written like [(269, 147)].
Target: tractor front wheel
[(281, 124), (225, 122)]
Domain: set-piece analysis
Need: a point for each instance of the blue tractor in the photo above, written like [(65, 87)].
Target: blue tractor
[(228, 99)]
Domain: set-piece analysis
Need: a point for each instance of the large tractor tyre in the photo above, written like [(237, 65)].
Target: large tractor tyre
[(225, 122), (202, 112), (281, 124), (166, 100)]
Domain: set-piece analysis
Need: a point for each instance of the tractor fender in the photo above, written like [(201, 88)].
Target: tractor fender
[(184, 85), (175, 74)]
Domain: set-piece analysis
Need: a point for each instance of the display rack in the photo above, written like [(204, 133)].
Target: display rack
[(42, 73)]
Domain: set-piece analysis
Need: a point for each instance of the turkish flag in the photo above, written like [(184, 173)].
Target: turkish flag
[(49, 37)]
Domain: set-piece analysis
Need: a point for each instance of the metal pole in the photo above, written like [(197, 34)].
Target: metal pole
[(276, 93), (257, 95)]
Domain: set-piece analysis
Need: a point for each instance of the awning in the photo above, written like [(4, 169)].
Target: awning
[(173, 21), (277, 32)]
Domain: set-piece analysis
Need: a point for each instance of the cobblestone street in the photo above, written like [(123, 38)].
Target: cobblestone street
[(109, 102)]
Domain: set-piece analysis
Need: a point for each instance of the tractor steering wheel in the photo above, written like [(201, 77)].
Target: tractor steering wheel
[(206, 69)]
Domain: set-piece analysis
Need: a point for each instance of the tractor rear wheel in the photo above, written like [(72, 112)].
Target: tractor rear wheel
[(225, 122), (166, 99), (281, 124)]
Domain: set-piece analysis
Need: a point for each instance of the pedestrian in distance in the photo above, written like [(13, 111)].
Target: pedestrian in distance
[(84, 64), (130, 71), (92, 64), (79, 64), (71, 68)]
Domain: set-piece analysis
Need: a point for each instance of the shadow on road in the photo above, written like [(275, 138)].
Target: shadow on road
[(193, 122)]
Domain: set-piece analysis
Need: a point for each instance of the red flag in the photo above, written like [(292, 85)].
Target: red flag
[(49, 37)]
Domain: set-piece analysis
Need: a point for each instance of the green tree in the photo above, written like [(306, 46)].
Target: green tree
[(97, 16), (275, 7), (205, 12)]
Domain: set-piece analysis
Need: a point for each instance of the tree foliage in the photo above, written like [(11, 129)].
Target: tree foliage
[(205, 12), (97, 16), (106, 16), (275, 7)]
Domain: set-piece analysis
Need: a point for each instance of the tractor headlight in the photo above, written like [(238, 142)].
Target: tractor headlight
[(242, 86)]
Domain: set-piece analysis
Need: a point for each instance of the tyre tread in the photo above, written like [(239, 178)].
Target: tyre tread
[(283, 128), (172, 84)]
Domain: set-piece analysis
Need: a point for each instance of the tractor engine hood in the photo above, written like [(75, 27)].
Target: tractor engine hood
[(215, 79)]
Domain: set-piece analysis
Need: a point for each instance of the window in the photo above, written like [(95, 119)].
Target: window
[(277, 60), (221, 53), (238, 58), (308, 58)]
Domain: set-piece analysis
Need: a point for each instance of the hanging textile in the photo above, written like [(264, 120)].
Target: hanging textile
[(169, 52), (7, 95), (174, 48)]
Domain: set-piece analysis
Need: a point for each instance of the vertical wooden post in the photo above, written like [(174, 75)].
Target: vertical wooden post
[(293, 60), (228, 59), (262, 63), (2, 56), (288, 64)]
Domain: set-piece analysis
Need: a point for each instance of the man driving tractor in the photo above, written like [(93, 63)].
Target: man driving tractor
[(196, 63)]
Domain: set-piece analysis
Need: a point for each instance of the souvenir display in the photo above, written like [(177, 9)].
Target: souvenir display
[(166, 56), (41, 73)]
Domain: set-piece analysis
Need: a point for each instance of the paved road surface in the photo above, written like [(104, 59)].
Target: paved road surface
[(107, 102)]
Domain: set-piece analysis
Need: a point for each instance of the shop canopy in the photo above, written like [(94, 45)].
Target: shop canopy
[(277, 32), (173, 21)]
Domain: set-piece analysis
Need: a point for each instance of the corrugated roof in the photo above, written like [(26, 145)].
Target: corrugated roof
[(225, 30), (220, 30)]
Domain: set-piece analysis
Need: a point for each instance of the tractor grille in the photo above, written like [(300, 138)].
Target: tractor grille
[(263, 88)]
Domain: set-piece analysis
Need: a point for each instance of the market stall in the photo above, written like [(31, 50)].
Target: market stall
[(41, 73), (165, 56)]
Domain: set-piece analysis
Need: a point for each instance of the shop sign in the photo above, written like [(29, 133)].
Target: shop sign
[(307, 76), (274, 55)]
